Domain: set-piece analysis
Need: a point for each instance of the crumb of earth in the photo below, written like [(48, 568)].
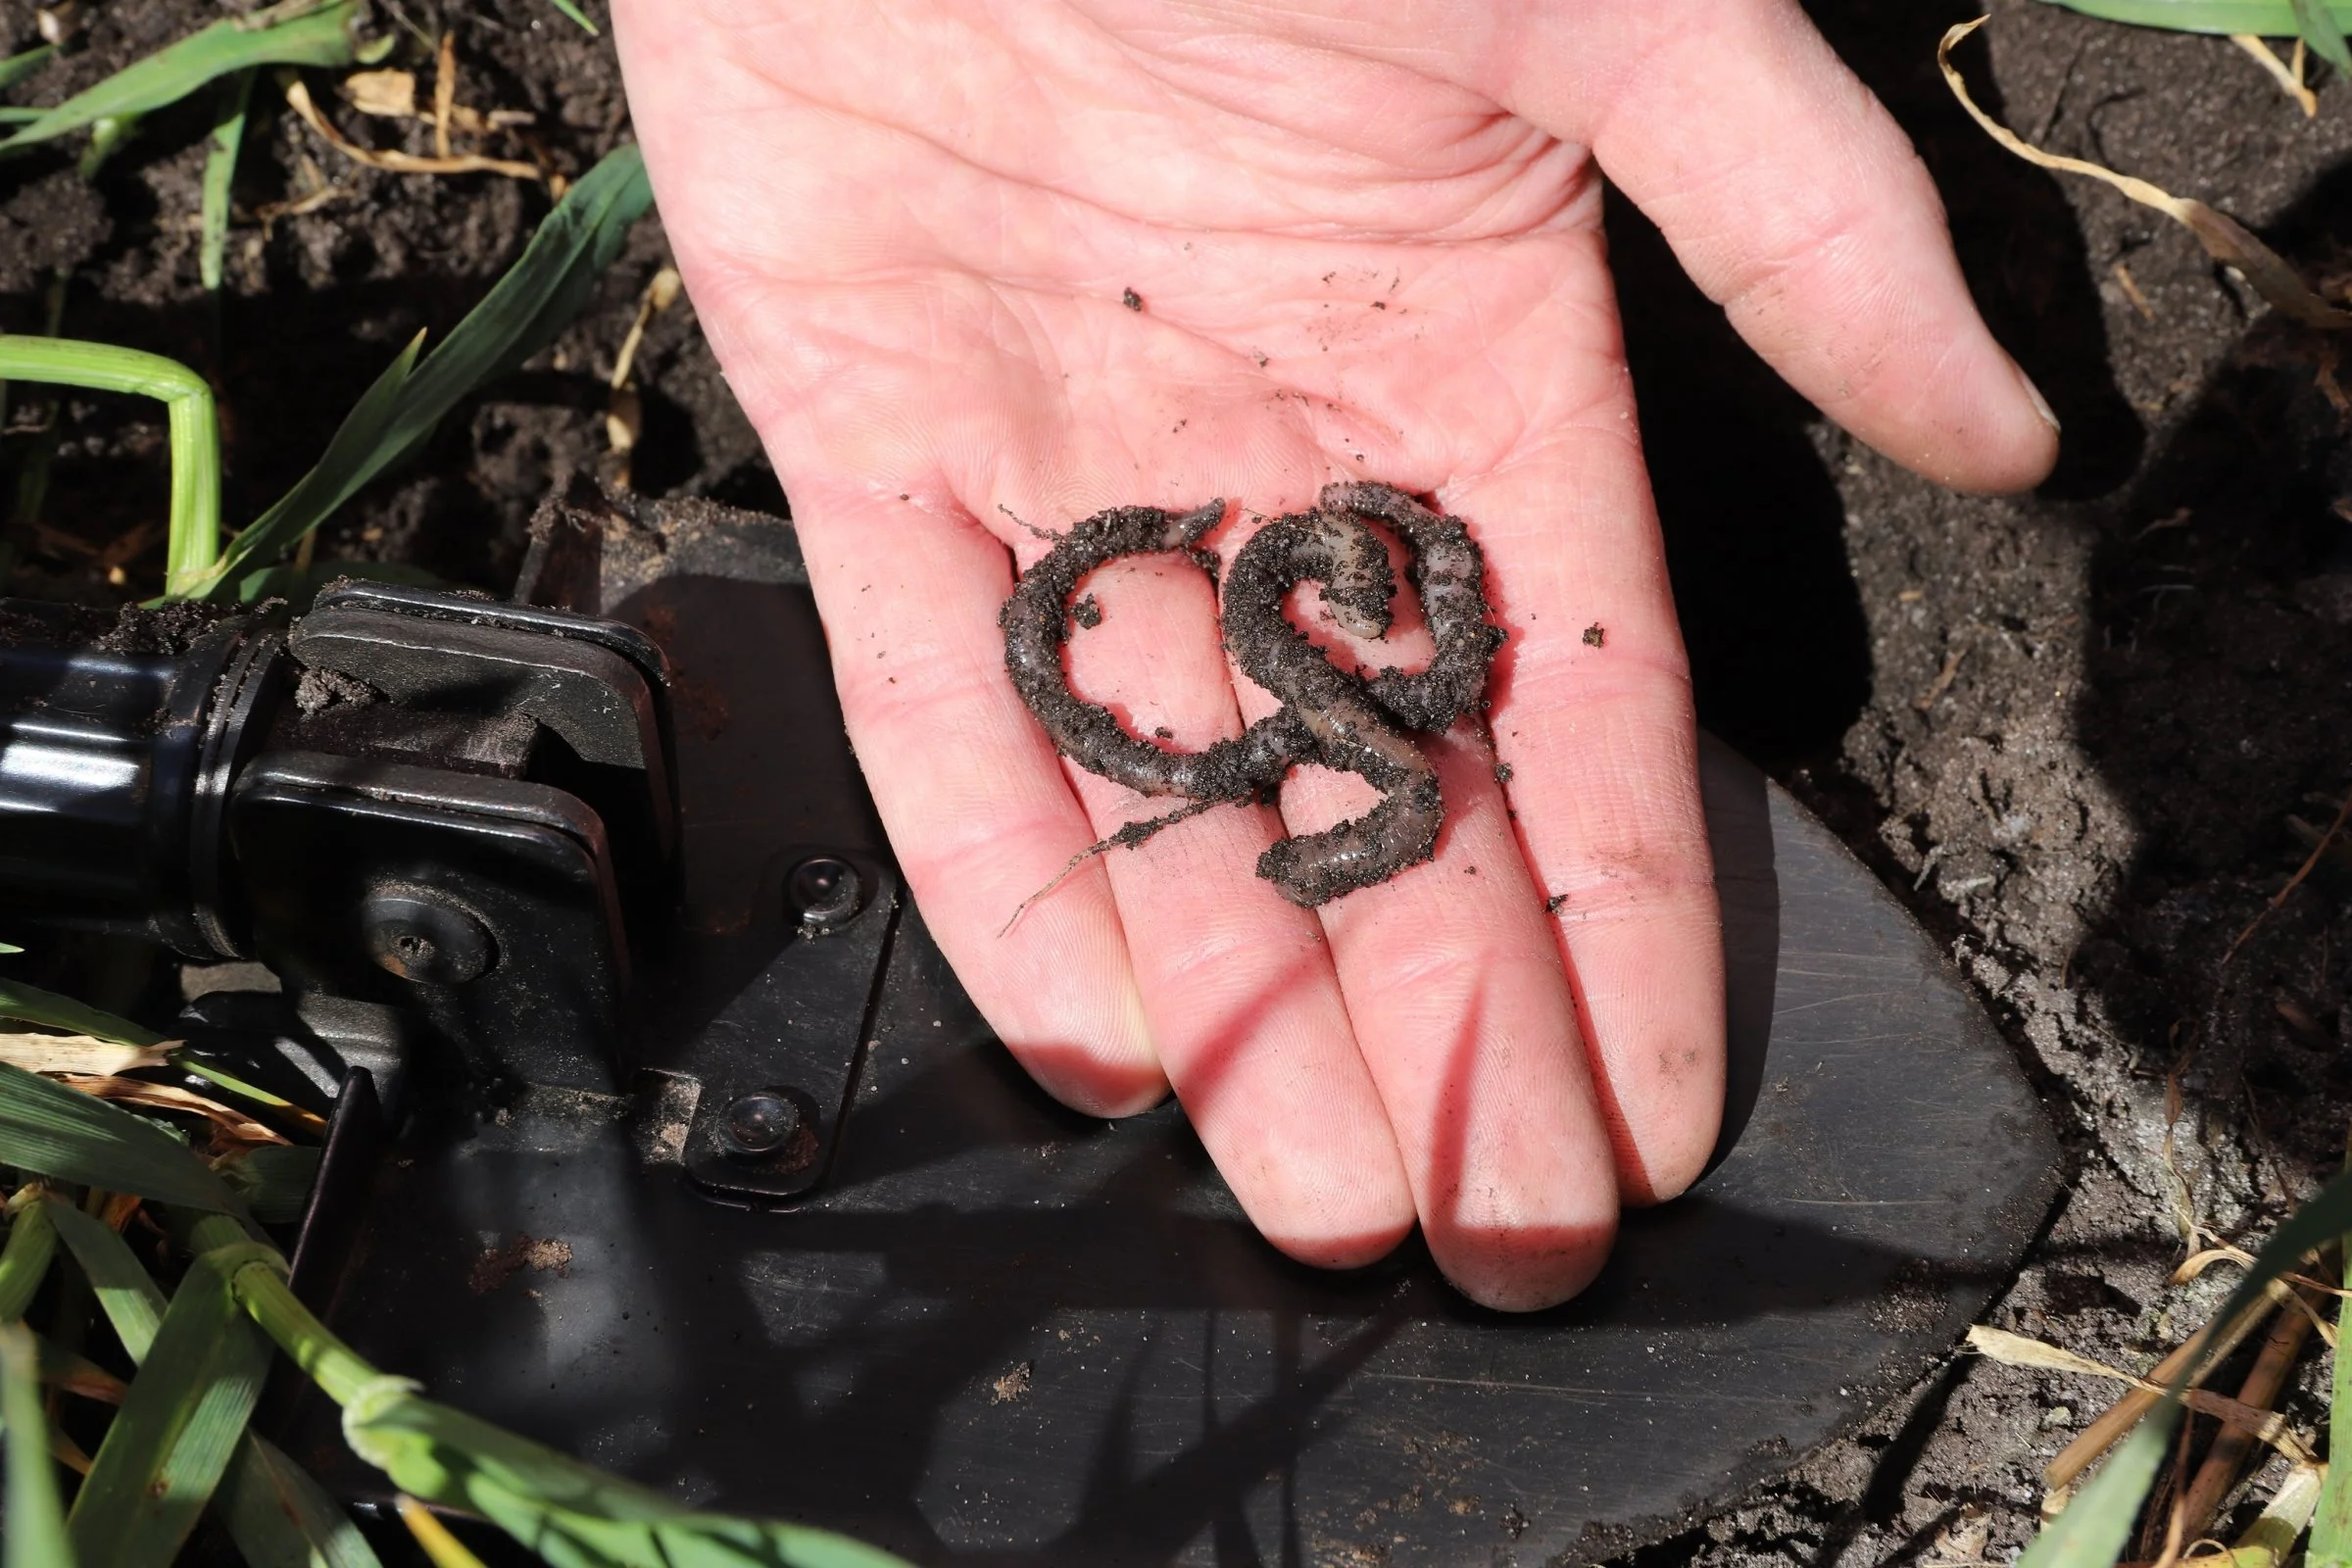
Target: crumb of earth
[(1164, 733), (1013, 1385), (1551, 906), (1502, 772), (1595, 635), (1088, 611), (498, 1264), (1131, 299)]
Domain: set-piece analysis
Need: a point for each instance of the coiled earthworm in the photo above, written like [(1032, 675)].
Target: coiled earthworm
[(1328, 716)]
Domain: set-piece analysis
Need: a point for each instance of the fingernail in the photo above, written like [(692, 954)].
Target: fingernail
[(2041, 405)]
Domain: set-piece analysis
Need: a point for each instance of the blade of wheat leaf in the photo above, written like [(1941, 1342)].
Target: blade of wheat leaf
[(25, 1260), (522, 314), (2319, 29), (281, 1518), (320, 37), (2092, 1531), (32, 1005), (17, 66), (2331, 1525), (574, 1516), (126, 1293), (35, 1520), (578, 15), (2097, 1525), (276, 1180), (2266, 19), (166, 1450), (54, 1130), (220, 174), (276, 1513)]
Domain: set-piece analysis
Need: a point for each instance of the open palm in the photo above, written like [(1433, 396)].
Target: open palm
[(979, 270)]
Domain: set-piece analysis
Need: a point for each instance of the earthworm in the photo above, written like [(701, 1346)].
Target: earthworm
[(1328, 716), (1036, 623)]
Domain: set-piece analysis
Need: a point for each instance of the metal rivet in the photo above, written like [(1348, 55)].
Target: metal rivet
[(424, 936), (759, 1125), (824, 892)]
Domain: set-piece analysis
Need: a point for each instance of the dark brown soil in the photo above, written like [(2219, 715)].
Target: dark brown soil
[(315, 303), (2081, 732)]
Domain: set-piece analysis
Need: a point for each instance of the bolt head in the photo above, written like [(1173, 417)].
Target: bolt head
[(824, 892), (422, 935), (759, 1124)]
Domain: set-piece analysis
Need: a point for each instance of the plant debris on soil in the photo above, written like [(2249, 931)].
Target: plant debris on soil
[(2087, 735)]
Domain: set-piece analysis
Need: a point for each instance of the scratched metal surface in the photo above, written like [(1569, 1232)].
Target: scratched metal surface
[(1005, 1333)]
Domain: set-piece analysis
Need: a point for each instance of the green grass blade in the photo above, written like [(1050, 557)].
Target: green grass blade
[(25, 1260), (15, 67), (127, 1293), (275, 1180), (576, 15), (540, 293), (2093, 1529), (188, 1062), (32, 1004), (573, 1515), (2266, 19), (54, 1130), (195, 532), (220, 173), (570, 1514), (35, 1520), (178, 1427), (2332, 1524), (277, 1515), (320, 37), (2319, 29), (281, 1518)]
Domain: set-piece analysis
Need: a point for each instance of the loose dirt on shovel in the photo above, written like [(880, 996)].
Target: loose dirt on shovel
[(2086, 734)]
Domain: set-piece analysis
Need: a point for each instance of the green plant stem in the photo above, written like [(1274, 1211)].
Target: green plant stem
[(195, 531), (106, 135), (334, 1366)]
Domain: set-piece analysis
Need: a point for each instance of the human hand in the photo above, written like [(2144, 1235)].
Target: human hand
[(1365, 241)]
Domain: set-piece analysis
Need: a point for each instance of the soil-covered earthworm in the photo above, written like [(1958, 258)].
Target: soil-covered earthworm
[(1449, 576), (1328, 716), (1352, 731), (1036, 623)]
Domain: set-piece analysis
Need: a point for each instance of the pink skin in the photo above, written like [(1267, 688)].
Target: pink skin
[(907, 225)]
